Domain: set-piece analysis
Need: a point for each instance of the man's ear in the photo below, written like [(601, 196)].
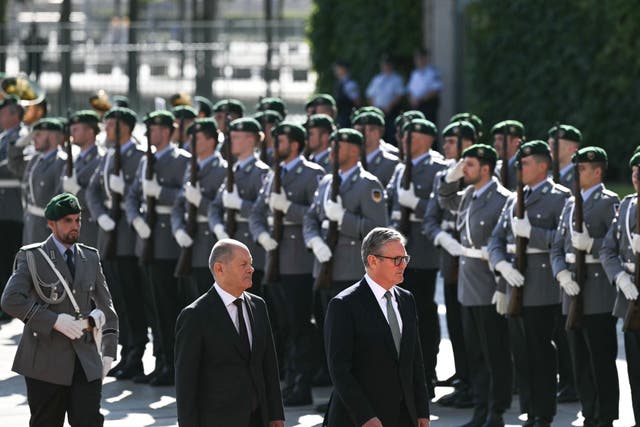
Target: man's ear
[(51, 225)]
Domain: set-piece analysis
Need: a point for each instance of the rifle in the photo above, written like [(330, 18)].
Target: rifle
[(576, 308), (363, 151), (180, 134), (455, 261), (263, 143), (230, 223), (325, 276), (556, 153), (504, 170), (151, 217), (183, 267), (405, 213), (517, 293), (632, 316), (116, 198), (272, 269), (68, 146)]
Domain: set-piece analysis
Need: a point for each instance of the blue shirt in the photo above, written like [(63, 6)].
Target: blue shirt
[(351, 88), (371, 155), (424, 80), (161, 153), (344, 176), (384, 88), (292, 164), (421, 158), (479, 192), (566, 170), (589, 191), (535, 187), (62, 248), (205, 162), (242, 163)]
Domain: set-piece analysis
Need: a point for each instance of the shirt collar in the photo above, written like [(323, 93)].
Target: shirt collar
[(421, 158), (292, 164), (62, 248), (566, 169), (50, 154), (244, 162), (479, 192), (373, 154), (347, 174), (512, 160), (378, 290), (589, 191), (321, 154), (84, 153), (203, 163), (161, 153), (538, 185), (226, 297)]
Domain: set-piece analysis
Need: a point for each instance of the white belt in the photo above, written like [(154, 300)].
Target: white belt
[(473, 253), (588, 258), (108, 204), (630, 267), (10, 183), (199, 218), (35, 210), (160, 209), (447, 225), (511, 249), (239, 218), (397, 215), (284, 222)]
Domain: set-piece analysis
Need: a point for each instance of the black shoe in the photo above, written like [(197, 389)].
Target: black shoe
[(144, 379), (165, 378), (119, 366), (567, 395), (299, 396), (448, 382), (129, 371), (464, 398), (447, 399), (321, 379), (322, 408), (530, 422), (494, 420), (479, 417)]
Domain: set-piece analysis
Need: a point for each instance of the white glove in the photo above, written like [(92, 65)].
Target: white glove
[(499, 299), (183, 238), (106, 365), (116, 183), (635, 243), (69, 326), (70, 184), (193, 194), (25, 139), (625, 284), (408, 198), (455, 173), (267, 242), (510, 274), (218, 230), (448, 243), (106, 223), (279, 202), (521, 227), (334, 210), (320, 249), (232, 200), (567, 283), (141, 227), (582, 241), (98, 317), (151, 188)]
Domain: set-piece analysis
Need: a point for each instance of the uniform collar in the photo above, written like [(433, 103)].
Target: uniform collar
[(244, 162), (292, 164), (565, 170), (344, 176), (203, 163), (479, 192), (420, 158), (373, 154), (62, 248), (589, 191), (160, 154)]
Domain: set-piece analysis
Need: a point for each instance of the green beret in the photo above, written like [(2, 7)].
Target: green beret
[(320, 99), (463, 128), (120, 101), (320, 121), (204, 105), (49, 123), (408, 115), (271, 117), (422, 126), (160, 118), (511, 127), (349, 135), (10, 100), (245, 124), (368, 118), (535, 147), (88, 117), (567, 132), (589, 155), (635, 160), (470, 117), (123, 114), (62, 205), (229, 105), (293, 130), (184, 112), (483, 152), (205, 124), (272, 103), (366, 109)]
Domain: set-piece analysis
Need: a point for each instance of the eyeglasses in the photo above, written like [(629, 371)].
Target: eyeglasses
[(397, 260)]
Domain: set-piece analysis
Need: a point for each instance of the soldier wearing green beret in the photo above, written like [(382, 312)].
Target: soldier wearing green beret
[(321, 103), (70, 327), (183, 115), (515, 137), (380, 160), (273, 104), (319, 129), (569, 138), (593, 343), (203, 105), (224, 109), (268, 119)]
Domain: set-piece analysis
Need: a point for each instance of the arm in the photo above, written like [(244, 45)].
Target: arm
[(497, 245), (16, 162), (448, 195), (419, 383), (433, 216), (133, 194), (297, 211), (271, 376), (216, 209), (188, 351), (557, 252), (102, 299), (611, 248), (95, 195), (372, 213), (606, 219), (311, 222), (258, 215)]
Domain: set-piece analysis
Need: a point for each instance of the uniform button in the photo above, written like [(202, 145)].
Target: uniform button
[(544, 266), (481, 222), (290, 193), (539, 216), (74, 291), (41, 183), (161, 179), (246, 234), (163, 225), (206, 233), (35, 334), (353, 243), (596, 274)]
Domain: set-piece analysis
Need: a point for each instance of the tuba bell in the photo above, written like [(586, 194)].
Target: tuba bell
[(32, 96), (100, 102)]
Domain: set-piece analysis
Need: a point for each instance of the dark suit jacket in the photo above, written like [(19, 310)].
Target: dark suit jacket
[(213, 377), (369, 378)]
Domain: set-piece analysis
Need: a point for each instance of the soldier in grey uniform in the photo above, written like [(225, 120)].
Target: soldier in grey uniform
[(40, 175), (379, 161), (618, 255), (593, 344), (420, 275), (479, 207), (70, 334), (293, 292), (515, 137), (183, 115), (169, 165), (268, 119), (570, 138), (83, 128), (319, 128), (211, 173), (249, 175), (321, 103), (227, 107), (272, 103), (534, 328)]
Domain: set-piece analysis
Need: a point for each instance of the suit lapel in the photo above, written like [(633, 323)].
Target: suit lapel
[(251, 309), (372, 306), (224, 320), (407, 321)]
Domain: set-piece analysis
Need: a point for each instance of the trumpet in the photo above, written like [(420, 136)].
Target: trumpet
[(32, 96), (100, 102)]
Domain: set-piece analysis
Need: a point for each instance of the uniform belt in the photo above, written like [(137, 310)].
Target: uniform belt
[(284, 222), (588, 258), (199, 218), (239, 218), (396, 216), (473, 253), (511, 249), (447, 225), (108, 203), (35, 210), (630, 267), (160, 209), (10, 183)]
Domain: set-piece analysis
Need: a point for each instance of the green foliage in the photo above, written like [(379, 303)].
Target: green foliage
[(360, 32), (574, 61)]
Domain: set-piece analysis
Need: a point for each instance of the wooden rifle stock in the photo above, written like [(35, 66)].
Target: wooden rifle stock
[(504, 169), (151, 217), (632, 316), (116, 198), (272, 269), (230, 222), (556, 154), (183, 267), (263, 143), (405, 213), (576, 308), (514, 307)]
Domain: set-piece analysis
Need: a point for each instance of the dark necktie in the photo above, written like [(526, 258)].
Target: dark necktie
[(69, 258), (527, 193), (242, 328)]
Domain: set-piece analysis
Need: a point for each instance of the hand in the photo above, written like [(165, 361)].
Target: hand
[(568, 285), (499, 299), (183, 238), (448, 243), (521, 227), (635, 243), (582, 241), (98, 317), (193, 194), (69, 326), (25, 139), (70, 184), (231, 200), (510, 274), (267, 242), (320, 249), (455, 173), (408, 198), (279, 202), (423, 422), (106, 365), (141, 227), (106, 223), (626, 286), (151, 188), (334, 210), (373, 422), (218, 230), (277, 423), (116, 183)]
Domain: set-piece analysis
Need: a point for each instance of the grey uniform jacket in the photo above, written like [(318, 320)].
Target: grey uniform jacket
[(210, 178), (543, 207), (568, 180), (98, 196), (616, 254), (84, 167), (364, 199), (382, 166), (476, 220), (424, 255), (300, 185), (598, 210), (44, 353), (324, 160), (169, 172), (249, 180), (513, 170), (10, 197)]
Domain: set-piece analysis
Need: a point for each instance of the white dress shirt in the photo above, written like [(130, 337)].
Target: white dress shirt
[(227, 300), (378, 292)]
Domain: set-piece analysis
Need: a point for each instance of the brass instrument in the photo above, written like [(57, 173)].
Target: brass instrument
[(30, 93), (100, 102)]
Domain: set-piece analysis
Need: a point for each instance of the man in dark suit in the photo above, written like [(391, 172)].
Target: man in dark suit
[(226, 366), (372, 345)]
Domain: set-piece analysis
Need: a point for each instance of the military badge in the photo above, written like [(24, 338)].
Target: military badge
[(376, 195)]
